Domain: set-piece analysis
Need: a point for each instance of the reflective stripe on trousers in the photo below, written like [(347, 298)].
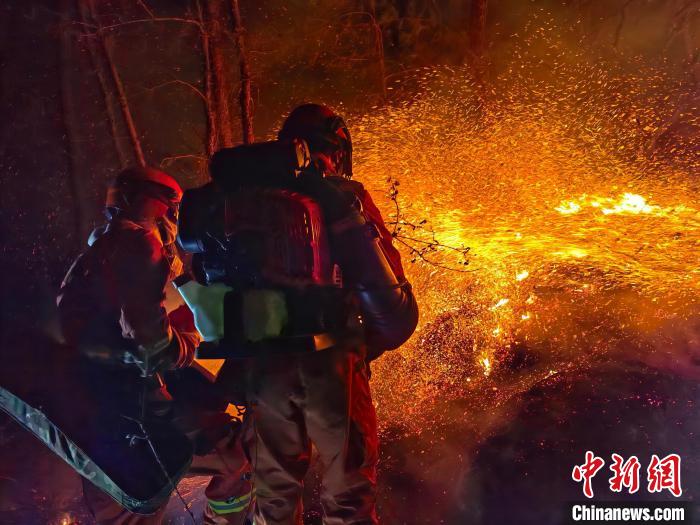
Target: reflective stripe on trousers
[(235, 504)]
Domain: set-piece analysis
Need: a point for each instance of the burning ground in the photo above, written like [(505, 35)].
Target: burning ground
[(571, 323)]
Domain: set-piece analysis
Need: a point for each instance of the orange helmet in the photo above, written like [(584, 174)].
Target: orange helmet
[(133, 183)]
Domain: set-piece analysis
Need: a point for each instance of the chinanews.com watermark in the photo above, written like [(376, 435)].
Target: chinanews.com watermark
[(610, 513), (662, 475)]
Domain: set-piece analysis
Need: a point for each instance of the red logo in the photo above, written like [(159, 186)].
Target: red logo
[(662, 474), (665, 474), (586, 472), (625, 474)]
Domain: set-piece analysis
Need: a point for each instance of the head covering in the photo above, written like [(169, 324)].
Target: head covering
[(323, 130)]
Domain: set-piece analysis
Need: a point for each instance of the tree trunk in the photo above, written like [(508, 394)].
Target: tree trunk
[(212, 130), (107, 92), (245, 92), (215, 29), (119, 87), (69, 120), (379, 46), (477, 29), (477, 44)]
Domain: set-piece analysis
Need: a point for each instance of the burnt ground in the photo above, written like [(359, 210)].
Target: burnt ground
[(519, 474)]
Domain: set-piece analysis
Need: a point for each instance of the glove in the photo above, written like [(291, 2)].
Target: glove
[(154, 359), (174, 352)]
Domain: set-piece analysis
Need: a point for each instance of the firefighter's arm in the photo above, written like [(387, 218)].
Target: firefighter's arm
[(140, 275), (372, 267)]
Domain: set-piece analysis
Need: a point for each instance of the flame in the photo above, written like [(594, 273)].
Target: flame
[(500, 303), (568, 231), (486, 363), (569, 207), (627, 203), (630, 203)]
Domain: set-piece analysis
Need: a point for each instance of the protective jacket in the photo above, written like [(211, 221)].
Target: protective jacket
[(111, 301)]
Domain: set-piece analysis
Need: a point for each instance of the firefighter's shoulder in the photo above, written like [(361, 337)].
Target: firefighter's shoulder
[(354, 186)]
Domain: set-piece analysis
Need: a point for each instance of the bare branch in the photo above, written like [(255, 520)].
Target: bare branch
[(421, 248), (420, 254), (145, 7), (169, 160), (184, 83), (111, 27)]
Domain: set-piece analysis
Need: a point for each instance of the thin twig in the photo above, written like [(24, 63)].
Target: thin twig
[(145, 7), (100, 29), (168, 160), (409, 242), (184, 83), (422, 257)]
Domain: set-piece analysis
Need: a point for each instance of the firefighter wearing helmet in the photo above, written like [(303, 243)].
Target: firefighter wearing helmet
[(323, 398), (112, 311)]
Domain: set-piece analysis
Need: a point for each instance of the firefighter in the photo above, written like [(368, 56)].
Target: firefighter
[(111, 308), (323, 398)]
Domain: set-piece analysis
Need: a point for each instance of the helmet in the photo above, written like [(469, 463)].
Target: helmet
[(324, 131), (133, 183)]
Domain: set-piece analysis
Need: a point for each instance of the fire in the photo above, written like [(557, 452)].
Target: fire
[(533, 180), (486, 363), (628, 203), (568, 207), (500, 303)]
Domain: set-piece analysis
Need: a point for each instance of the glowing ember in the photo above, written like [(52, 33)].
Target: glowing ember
[(569, 207), (537, 179), (500, 303), (486, 363)]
